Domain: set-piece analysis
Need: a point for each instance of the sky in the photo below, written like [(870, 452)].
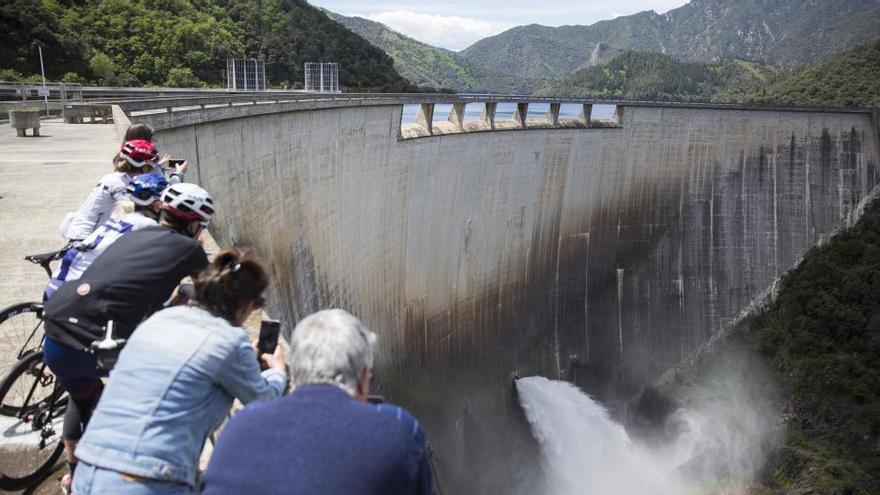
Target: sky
[(456, 24)]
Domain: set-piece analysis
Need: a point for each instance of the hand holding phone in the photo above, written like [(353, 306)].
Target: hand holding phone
[(177, 165)]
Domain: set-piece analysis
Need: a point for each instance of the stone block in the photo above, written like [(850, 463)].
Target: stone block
[(21, 120)]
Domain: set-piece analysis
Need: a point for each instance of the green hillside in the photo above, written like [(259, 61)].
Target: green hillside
[(652, 76), (850, 78), (420, 63), (183, 42), (427, 65), (822, 335), (811, 357)]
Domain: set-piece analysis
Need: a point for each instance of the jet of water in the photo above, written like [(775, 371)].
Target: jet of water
[(584, 451)]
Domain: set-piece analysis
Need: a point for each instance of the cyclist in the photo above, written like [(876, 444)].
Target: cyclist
[(144, 191), (175, 381), (129, 281), (135, 158), (145, 132), (139, 131)]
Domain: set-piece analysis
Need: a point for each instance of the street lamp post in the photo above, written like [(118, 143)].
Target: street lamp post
[(43, 73)]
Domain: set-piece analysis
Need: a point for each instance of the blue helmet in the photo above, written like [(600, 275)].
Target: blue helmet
[(144, 189)]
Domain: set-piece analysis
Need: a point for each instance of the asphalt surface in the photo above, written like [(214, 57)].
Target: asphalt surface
[(41, 179)]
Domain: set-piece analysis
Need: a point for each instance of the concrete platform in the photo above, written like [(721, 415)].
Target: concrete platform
[(41, 179)]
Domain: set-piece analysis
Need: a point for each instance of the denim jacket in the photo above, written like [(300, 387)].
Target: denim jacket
[(173, 384)]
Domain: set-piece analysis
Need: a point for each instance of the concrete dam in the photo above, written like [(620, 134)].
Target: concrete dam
[(602, 254)]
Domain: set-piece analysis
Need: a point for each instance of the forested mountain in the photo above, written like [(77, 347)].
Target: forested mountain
[(183, 42), (428, 65), (419, 62), (781, 32), (657, 77), (849, 78)]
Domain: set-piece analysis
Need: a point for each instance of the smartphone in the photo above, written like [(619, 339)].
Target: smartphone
[(174, 162), (269, 331)]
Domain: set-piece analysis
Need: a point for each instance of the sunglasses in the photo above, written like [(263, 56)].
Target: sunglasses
[(143, 194)]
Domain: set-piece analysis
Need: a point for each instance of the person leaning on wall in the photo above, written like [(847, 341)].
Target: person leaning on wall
[(324, 438), (136, 157), (174, 172), (175, 381)]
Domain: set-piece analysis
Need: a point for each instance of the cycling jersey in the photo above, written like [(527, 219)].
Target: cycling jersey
[(98, 206), (80, 256), (128, 282)]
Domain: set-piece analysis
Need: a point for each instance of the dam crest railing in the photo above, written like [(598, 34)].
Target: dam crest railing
[(176, 111)]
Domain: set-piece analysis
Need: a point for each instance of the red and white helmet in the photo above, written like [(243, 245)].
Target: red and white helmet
[(187, 202), (139, 153)]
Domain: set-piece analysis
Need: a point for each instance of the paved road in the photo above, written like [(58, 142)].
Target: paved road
[(41, 179)]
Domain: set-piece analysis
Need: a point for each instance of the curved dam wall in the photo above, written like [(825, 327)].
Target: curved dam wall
[(603, 256)]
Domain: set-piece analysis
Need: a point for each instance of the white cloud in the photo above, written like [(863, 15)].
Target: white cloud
[(452, 32)]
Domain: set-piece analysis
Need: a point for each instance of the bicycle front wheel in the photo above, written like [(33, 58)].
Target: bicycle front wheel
[(21, 332), (30, 439)]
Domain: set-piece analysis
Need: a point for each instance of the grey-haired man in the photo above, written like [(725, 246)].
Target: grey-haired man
[(324, 438)]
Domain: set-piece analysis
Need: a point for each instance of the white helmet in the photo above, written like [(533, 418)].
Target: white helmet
[(186, 202)]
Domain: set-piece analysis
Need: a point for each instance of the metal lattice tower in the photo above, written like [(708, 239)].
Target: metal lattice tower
[(245, 74), (322, 77)]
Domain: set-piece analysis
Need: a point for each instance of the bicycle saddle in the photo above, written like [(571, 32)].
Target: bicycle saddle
[(46, 258)]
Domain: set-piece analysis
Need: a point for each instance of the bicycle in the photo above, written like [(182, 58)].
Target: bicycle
[(37, 404), (21, 324), (32, 403), (30, 432)]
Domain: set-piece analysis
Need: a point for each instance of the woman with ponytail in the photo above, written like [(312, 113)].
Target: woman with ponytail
[(174, 383)]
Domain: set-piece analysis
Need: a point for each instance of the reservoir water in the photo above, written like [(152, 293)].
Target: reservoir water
[(505, 111)]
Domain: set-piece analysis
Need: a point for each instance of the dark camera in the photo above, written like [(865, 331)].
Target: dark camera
[(174, 162)]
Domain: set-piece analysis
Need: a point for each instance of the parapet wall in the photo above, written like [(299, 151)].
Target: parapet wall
[(606, 253)]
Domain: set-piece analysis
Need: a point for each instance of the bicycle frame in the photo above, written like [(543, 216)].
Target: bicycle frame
[(25, 350), (41, 416)]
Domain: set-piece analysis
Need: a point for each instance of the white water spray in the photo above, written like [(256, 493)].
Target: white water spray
[(719, 445), (583, 449)]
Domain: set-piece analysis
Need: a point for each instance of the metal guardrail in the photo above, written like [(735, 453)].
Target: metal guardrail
[(291, 101), (171, 103), (21, 91)]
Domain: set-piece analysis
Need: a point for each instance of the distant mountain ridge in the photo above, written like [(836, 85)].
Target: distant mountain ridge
[(658, 77), (414, 60), (427, 65), (781, 32)]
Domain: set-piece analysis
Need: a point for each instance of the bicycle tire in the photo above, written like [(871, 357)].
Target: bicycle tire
[(23, 460), (21, 331)]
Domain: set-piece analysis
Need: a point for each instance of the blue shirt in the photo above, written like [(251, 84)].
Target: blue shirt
[(174, 382), (320, 441)]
